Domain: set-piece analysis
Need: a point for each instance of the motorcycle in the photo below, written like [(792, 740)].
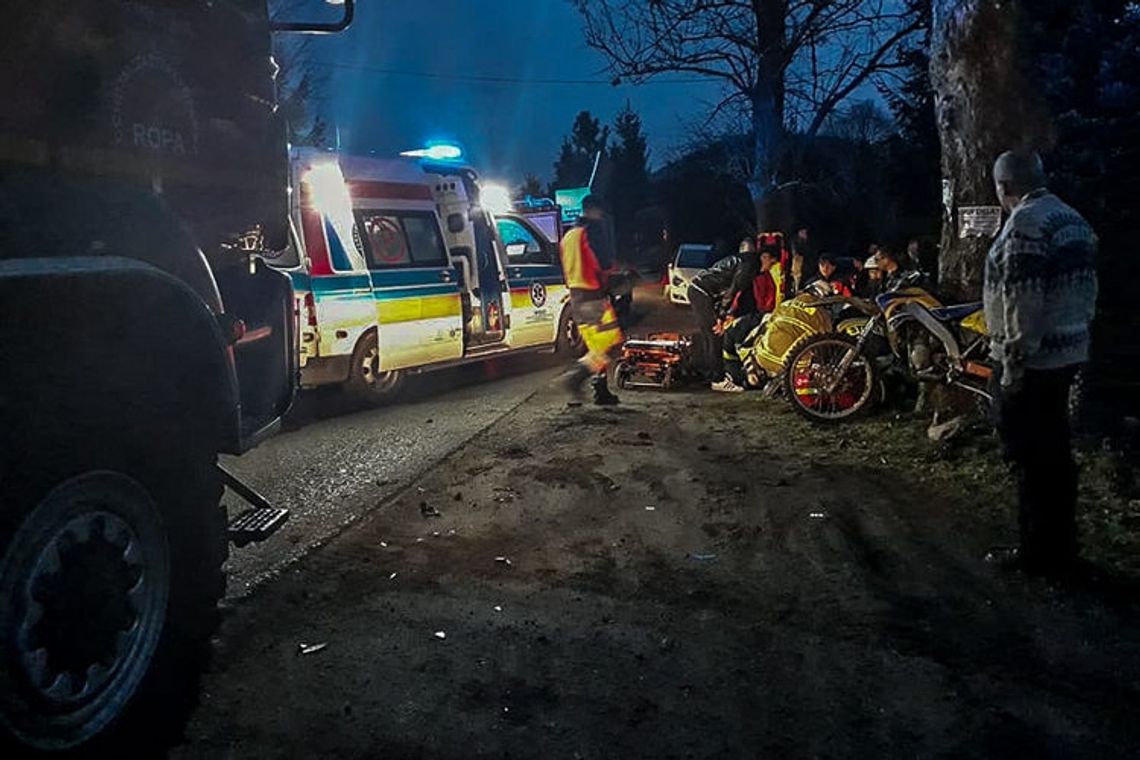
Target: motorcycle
[(817, 310), (834, 376)]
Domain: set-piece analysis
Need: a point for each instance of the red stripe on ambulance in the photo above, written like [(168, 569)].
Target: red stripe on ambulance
[(399, 191)]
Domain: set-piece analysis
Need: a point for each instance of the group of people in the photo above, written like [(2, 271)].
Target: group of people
[(1039, 297), (731, 298)]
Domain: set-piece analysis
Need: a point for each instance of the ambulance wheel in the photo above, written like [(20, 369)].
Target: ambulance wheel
[(569, 338), (110, 577), (365, 380)]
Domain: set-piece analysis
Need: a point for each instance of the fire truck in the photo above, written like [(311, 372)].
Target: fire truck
[(143, 172)]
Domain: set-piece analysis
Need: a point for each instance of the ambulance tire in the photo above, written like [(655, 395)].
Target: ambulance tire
[(569, 341), (365, 381), (163, 501)]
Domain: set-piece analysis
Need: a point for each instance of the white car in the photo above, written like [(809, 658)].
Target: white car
[(691, 258)]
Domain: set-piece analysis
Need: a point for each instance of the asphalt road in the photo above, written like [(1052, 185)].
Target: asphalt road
[(338, 459)]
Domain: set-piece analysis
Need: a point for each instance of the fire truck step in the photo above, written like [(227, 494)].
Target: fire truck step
[(255, 525)]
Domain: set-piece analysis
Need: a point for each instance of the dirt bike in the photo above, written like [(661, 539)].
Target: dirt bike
[(834, 376), (816, 310)]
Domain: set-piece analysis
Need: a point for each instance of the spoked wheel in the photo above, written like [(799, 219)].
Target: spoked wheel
[(817, 386), (367, 380)]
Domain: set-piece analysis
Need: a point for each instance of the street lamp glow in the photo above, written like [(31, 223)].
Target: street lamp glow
[(495, 198), (439, 152)]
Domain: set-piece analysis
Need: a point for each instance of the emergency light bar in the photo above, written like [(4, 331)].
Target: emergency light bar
[(438, 152)]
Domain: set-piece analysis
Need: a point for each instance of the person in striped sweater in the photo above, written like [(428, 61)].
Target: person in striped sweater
[(1040, 297)]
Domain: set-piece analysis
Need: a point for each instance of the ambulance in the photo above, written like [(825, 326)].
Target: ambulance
[(397, 270)]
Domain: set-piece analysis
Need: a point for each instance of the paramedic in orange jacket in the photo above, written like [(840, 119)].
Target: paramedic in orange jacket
[(587, 263)]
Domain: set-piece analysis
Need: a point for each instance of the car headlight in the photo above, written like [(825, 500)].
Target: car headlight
[(678, 281)]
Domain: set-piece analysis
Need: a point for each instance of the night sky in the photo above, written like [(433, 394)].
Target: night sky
[(507, 128)]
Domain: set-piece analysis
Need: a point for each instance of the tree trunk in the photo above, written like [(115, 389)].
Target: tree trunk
[(986, 102), (768, 144)]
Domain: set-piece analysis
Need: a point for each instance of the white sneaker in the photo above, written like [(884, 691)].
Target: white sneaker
[(727, 386)]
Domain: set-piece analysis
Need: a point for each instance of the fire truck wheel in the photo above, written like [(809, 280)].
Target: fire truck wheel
[(110, 577), (365, 379), (569, 339)]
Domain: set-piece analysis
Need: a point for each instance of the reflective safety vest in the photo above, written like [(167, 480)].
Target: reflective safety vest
[(777, 273), (579, 264)]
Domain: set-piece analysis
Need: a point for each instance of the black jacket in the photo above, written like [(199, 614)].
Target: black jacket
[(717, 280)]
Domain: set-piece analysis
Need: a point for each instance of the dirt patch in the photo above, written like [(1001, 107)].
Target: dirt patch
[(793, 592)]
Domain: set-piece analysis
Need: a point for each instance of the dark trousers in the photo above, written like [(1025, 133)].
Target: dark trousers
[(735, 337), (1034, 426), (708, 347)]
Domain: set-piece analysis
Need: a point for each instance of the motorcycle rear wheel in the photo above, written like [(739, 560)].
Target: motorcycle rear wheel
[(811, 366)]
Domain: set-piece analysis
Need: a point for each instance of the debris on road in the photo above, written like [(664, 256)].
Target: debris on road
[(383, 544), (650, 508), (427, 510), (504, 494), (503, 561), (702, 557), (392, 577), (310, 648), (498, 608), (941, 432), (441, 635), (817, 515)]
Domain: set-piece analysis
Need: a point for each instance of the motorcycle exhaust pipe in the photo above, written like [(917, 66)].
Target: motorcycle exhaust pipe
[(972, 389)]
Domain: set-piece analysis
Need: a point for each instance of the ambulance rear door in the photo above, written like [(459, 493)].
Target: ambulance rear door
[(414, 284)]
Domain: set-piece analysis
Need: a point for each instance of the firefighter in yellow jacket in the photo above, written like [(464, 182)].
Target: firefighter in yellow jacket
[(587, 263)]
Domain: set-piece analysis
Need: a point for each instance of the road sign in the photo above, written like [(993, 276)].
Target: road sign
[(571, 202)]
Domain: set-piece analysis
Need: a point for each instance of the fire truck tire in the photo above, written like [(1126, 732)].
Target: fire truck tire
[(366, 381), (569, 341), (110, 578)]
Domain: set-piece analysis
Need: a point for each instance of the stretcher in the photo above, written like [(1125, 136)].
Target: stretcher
[(656, 361)]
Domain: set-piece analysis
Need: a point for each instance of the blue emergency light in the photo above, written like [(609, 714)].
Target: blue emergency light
[(436, 152)]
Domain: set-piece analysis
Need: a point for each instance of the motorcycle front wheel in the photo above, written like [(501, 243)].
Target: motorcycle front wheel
[(818, 389)]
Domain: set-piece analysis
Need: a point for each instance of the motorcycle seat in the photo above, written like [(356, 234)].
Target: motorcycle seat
[(955, 313)]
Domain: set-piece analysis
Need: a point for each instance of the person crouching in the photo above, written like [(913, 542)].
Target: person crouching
[(757, 295)]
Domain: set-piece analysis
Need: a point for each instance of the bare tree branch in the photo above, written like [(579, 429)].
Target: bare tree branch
[(793, 61)]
